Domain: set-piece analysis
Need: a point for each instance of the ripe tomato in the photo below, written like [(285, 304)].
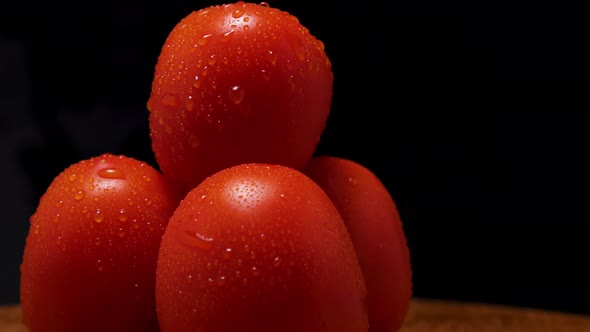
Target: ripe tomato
[(258, 247), (375, 226), (237, 83), (90, 256)]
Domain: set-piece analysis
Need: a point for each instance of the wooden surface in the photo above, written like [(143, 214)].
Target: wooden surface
[(435, 316)]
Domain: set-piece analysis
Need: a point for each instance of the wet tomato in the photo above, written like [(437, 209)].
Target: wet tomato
[(90, 255), (260, 248), (375, 226), (237, 83)]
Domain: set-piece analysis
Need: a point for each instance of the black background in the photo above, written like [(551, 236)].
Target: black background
[(472, 115)]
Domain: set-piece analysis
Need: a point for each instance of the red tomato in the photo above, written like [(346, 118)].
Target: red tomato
[(260, 248), (90, 255), (376, 229), (237, 83)]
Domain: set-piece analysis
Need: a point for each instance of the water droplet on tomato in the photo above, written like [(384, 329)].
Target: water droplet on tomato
[(79, 195), (236, 94), (246, 27), (56, 218), (59, 203), (121, 232), (255, 271), (98, 216), (237, 13), (190, 103), (170, 100), (197, 240), (111, 173), (353, 181), (122, 215), (36, 229), (204, 40), (100, 265), (227, 36), (227, 253), (266, 74), (146, 178), (264, 4), (276, 261), (212, 59), (221, 281), (271, 57), (219, 125)]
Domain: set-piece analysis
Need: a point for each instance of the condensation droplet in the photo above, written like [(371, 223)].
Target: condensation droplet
[(353, 181), (219, 125), (197, 82), (212, 59), (72, 177), (255, 271), (236, 94), (237, 13), (146, 178), (79, 195), (266, 74), (227, 36), (100, 265), (121, 232), (190, 103), (111, 173), (204, 40), (221, 281), (276, 261), (272, 57), (122, 215), (227, 253), (36, 229), (197, 240), (98, 216)]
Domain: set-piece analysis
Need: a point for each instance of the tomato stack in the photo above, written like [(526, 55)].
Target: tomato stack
[(242, 228)]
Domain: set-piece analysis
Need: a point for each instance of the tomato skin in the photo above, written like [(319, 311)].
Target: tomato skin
[(258, 247), (375, 226), (234, 84), (90, 255)]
